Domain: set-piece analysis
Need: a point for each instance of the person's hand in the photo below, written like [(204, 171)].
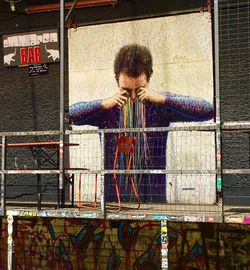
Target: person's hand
[(118, 100), (145, 94)]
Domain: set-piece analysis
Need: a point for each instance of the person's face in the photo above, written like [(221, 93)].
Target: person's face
[(131, 85)]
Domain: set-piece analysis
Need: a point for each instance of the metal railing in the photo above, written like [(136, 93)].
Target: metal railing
[(174, 170)]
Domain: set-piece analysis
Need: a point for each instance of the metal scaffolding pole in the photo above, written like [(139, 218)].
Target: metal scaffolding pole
[(62, 71), (3, 177), (217, 105)]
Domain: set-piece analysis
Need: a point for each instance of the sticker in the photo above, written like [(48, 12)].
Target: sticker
[(246, 220), (234, 220), (210, 219), (10, 219), (159, 217), (10, 239), (138, 216), (219, 184), (89, 215), (10, 228), (164, 229), (28, 213), (12, 213), (193, 218), (176, 218)]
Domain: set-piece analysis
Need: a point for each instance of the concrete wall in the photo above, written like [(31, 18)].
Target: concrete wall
[(235, 98)]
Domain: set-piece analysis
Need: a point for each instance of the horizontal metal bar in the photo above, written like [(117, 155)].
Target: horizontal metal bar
[(68, 5), (72, 213), (159, 171), (236, 171), (30, 133), (236, 5), (175, 127), (163, 129), (83, 171), (89, 171), (30, 171), (183, 127), (236, 126), (84, 131), (206, 214)]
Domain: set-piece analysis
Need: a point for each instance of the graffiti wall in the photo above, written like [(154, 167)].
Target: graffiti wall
[(208, 246), (3, 244), (76, 244), (53, 243)]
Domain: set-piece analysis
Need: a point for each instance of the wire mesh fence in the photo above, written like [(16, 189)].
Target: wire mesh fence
[(29, 162), (155, 170), (236, 171), (234, 48), (234, 51), (146, 171)]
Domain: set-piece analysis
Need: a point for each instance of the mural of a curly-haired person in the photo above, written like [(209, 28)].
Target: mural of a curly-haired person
[(136, 105)]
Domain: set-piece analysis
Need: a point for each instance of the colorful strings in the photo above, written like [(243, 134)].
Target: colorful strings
[(133, 115)]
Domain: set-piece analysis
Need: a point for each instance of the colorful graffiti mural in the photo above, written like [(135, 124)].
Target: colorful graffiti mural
[(77, 244), (208, 246), (51, 243)]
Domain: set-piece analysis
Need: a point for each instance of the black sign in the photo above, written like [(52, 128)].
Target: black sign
[(35, 70)]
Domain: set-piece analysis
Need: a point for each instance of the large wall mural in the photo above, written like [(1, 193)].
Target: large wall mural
[(55, 243), (154, 72), (76, 244)]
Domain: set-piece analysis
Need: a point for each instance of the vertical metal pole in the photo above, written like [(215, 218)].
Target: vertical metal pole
[(103, 203), (216, 60), (164, 245), (61, 147), (39, 178), (218, 246), (11, 243), (217, 103), (3, 184)]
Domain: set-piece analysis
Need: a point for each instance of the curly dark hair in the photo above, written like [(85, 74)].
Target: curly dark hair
[(133, 60)]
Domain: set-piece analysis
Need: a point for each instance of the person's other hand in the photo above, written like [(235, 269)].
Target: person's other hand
[(145, 94), (118, 100)]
